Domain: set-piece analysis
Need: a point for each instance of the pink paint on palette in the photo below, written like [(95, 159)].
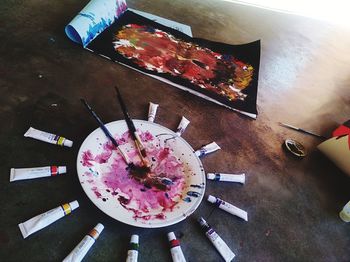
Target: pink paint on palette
[(110, 179)]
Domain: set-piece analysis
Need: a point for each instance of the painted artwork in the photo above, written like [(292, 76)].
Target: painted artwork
[(159, 51), (221, 73)]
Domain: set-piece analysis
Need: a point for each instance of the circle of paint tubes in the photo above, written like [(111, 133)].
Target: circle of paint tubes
[(295, 148)]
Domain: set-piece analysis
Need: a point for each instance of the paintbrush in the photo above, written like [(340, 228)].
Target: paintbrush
[(132, 130), (138, 171), (302, 130)]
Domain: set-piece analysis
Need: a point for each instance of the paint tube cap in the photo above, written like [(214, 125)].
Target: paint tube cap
[(211, 176), (68, 142), (62, 169), (99, 227), (171, 236), (74, 205), (211, 199), (134, 239)]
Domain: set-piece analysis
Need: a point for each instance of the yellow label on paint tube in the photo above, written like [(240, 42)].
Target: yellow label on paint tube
[(66, 209), (60, 141)]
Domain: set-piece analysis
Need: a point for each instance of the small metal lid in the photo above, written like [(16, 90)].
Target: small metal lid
[(295, 148)]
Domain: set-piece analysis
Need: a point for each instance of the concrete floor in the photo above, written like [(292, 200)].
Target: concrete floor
[(293, 204)]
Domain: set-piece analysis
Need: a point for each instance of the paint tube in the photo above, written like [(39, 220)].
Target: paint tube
[(43, 220), (182, 126), (79, 252), (239, 178), (48, 137), (152, 111), (345, 213), (133, 251), (228, 207), (217, 241), (210, 148), (175, 248), (36, 172)]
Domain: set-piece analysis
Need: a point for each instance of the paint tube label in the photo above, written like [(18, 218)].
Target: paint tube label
[(79, 252), (43, 220), (152, 111), (182, 126), (35, 172), (238, 178), (205, 150), (220, 245), (233, 210), (132, 256), (228, 207), (177, 254)]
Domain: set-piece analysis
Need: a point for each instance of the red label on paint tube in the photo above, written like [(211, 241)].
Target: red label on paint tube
[(54, 170), (174, 243)]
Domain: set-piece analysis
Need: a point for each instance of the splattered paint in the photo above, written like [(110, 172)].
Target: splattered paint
[(160, 51), (116, 184), (114, 189)]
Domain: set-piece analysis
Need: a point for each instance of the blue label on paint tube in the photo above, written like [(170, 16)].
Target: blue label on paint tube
[(217, 177), (218, 202), (202, 152)]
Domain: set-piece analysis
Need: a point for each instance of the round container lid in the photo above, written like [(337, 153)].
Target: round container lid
[(295, 148)]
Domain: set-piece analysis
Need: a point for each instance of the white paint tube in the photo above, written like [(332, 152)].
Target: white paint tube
[(238, 178), (217, 241), (36, 172), (43, 220), (48, 137), (228, 207), (182, 126), (79, 252), (205, 150), (152, 111), (133, 251), (175, 248)]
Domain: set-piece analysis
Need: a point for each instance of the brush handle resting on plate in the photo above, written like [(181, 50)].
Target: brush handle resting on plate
[(131, 126), (106, 132)]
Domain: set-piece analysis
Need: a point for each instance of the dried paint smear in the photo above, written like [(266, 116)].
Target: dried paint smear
[(110, 178), (158, 51)]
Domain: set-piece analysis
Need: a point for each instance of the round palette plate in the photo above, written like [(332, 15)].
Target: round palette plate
[(108, 183)]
